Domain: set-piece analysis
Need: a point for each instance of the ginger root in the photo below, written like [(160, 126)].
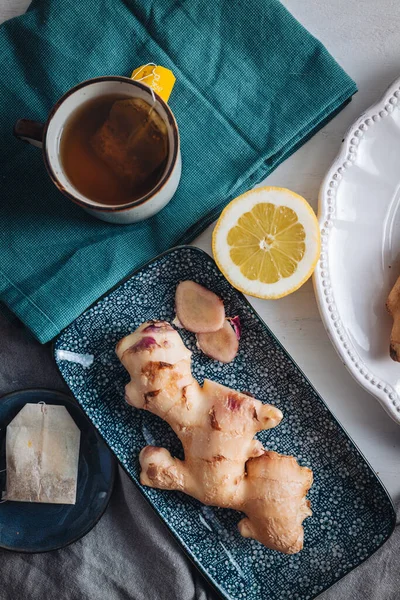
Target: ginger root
[(224, 465), (393, 308)]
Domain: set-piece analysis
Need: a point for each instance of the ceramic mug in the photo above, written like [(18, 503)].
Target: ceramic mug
[(47, 136)]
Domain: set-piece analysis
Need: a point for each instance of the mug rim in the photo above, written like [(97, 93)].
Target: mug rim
[(93, 205)]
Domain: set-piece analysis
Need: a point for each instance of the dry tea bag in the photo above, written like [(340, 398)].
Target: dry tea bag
[(42, 454), (133, 142)]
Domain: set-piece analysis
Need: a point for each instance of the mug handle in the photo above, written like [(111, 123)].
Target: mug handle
[(29, 131)]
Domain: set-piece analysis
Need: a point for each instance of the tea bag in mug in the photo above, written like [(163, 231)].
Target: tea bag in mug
[(133, 141), (42, 454)]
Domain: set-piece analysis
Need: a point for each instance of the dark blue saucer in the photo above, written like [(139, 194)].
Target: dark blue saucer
[(35, 527)]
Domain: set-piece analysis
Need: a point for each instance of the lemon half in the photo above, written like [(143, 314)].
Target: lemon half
[(267, 242)]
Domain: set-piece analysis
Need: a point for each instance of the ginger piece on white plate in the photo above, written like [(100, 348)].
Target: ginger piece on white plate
[(224, 464), (393, 307)]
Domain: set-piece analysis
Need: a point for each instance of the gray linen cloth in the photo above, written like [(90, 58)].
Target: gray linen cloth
[(130, 554)]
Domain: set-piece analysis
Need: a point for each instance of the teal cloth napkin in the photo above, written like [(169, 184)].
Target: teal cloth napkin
[(252, 86)]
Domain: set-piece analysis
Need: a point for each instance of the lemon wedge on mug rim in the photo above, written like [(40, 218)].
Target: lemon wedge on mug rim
[(267, 242)]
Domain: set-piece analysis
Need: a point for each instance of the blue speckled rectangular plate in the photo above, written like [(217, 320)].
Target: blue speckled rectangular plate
[(352, 512)]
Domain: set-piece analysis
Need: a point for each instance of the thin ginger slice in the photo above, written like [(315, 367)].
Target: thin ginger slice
[(198, 309), (224, 465)]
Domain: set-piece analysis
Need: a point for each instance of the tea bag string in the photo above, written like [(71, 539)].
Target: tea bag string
[(152, 74)]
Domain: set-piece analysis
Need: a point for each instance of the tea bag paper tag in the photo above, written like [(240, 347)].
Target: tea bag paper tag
[(42, 454), (158, 78)]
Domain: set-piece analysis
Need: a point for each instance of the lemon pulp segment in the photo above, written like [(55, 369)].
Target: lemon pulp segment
[(267, 242)]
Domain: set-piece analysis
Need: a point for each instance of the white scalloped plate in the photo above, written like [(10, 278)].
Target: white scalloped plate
[(359, 218)]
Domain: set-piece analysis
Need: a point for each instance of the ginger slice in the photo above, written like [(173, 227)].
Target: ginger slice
[(222, 345), (198, 309)]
